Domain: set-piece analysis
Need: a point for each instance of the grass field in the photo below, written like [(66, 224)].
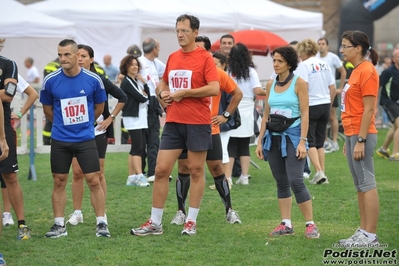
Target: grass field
[(216, 242)]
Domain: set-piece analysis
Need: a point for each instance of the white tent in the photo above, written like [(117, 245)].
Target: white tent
[(112, 26), (29, 32)]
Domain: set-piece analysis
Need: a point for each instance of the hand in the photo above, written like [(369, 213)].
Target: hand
[(301, 150), (218, 120), (103, 125), (177, 96), (140, 77), (259, 151), (14, 116), (358, 151), (4, 149), (166, 97)]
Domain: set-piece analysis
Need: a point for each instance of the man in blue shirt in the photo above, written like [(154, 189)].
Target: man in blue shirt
[(73, 98), (110, 70)]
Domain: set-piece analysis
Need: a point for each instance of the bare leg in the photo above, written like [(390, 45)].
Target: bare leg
[(165, 162), (59, 195), (388, 138), (77, 185), (6, 200), (96, 193), (369, 208), (314, 158), (245, 162), (15, 194), (196, 162), (307, 210), (285, 207)]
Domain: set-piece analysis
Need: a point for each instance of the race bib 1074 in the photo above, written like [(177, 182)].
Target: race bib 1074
[(74, 110)]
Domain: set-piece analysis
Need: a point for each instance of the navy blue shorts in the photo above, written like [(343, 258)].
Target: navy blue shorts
[(181, 136)]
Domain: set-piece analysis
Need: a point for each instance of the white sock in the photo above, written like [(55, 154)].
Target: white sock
[(383, 149), (78, 211), (287, 222), (156, 215), (59, 221), (370, 235), (309, 222), (362, 231), (101, 219), (192, 214)]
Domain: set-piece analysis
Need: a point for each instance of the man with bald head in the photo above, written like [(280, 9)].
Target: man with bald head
[(110, 70), (151, 69)]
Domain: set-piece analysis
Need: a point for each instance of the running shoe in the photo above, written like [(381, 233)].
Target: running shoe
[(148, 228), (383, 154), (318, 178), (232, 217), (7, 219), (75, 218), (243, 180), (351, 239), (102, 230), (363, 241), (179, 218), (282, 229), (394, 158), (190, 229), (2, 261), (23, 232), (132, 180), (312, 231), (57, 231)]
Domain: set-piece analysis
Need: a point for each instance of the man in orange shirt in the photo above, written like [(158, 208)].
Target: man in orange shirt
[(214, 155), (190, 78)]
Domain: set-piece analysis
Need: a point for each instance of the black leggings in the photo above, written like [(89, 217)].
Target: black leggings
[(287, 171), (137, 139)]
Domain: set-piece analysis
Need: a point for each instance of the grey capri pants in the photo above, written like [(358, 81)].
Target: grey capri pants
[(362, 171), (287, 171)]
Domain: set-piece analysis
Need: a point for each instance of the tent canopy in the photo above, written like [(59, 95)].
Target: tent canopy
[(19, 21), (111, 26)]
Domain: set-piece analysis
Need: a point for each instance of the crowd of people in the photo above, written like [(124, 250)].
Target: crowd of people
[(300, 100)]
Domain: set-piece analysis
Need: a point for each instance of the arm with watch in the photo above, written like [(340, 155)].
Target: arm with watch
[(236, 96), (368, 112), (32, 97)]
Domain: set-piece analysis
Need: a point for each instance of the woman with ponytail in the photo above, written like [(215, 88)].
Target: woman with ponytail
[(358, 103)]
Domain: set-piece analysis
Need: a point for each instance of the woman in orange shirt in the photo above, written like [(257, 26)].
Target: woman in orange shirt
[(359, 98)]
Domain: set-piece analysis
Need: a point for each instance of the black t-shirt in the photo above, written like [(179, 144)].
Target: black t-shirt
[(8, 69), (389, 83)]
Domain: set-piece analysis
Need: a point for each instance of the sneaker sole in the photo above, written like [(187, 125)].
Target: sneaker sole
[(24, 238), (74, 223), (313, 237), (60, 235), (103, 234), (185, 233), (235, 222), (147, 234), (321, 181)]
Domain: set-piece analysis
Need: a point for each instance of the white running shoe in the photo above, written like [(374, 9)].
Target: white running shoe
[(152, 178), (7, 219), (179, 218), (142, 181), (132, 180), (318, 178), (243, 180), (75, 218), (232, 217)]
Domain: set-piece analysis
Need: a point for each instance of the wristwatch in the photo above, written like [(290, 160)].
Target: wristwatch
[(113, 117), (361, 140), (226, 114)]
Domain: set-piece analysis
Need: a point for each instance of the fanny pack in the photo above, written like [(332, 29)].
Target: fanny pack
[(279, 123)]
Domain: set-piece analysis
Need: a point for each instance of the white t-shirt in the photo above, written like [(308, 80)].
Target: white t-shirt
[(151, 71), (247, 86), (318, 75), (332, 60), (22, 84), (32, 74)]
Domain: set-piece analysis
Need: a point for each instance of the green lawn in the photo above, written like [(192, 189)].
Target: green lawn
[(216, 242)]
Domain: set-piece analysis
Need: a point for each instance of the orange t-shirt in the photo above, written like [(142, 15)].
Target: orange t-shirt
[(227, 84), (185, 71), (363, 81)]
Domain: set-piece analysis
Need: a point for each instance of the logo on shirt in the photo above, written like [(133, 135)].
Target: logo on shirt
[(82, 92)]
